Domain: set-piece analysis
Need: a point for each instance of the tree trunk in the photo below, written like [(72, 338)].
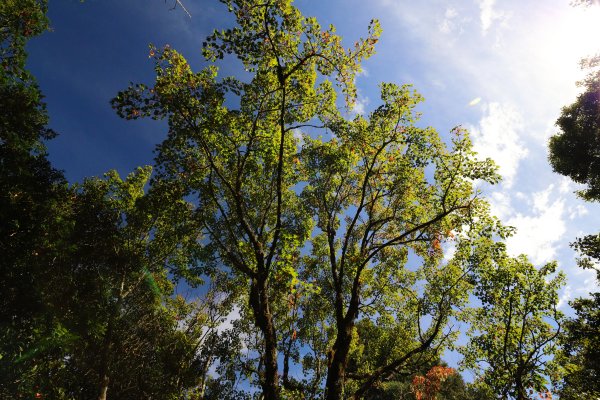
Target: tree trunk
[(259, 301), (286, 364), (104, 360), (336, 371), (205, 369), (104, 380), (521, 393), (107, 343)]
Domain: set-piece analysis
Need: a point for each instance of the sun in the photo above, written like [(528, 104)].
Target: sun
[(556, 41), (578, 38)]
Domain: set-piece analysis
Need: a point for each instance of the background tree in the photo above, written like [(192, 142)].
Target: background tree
[(107, 297), (574, 153), (515, 329), (580, 351), (109, 286), (85, 273), (453, 387), (31, 193)]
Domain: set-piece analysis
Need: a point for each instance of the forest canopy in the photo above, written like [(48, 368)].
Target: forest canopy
[(331, 254)]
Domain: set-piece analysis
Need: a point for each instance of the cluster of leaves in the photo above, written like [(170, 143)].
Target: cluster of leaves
[(573, 151), (515, 330), (427, 387)]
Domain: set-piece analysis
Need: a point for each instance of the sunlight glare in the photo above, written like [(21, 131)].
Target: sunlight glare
[(575, 35)]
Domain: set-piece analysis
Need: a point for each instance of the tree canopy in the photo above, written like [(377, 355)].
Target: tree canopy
[(574, 151), (331, 255)]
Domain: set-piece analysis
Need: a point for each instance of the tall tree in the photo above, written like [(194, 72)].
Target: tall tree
[(574, 153), (385, 196), (240, 162), (384, 221), (516, 327), (31, 192)]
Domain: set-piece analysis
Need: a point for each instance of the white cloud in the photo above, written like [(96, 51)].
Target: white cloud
[(497, 137), (565, 297), (540, 233), (500, 205), (360, 104), (488, 15), (448, 24), (577, 211), (449, 249), (566, 185), (298, 136)]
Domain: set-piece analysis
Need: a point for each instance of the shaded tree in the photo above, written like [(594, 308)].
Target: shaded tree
[(31, 192), (68, 250), (574, 153)]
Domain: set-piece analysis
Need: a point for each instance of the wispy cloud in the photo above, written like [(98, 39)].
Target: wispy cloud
[(360, 104), (565, 297), (448, 24), (489, 15), (497, 137), (541, 230)]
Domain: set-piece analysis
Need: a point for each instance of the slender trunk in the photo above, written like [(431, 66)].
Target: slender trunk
[(286, 365), (336, 371), (107, 343), (259, 301), (104, 361), (338, 358), (104, 380), (205, 369)]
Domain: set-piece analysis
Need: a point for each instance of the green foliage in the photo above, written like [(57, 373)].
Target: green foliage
[(580, 353), (514, 331), (19, 21), (85, 270), (106, 298), (242, 163), (31, 193), (573, 151), (580, 350), (329, 236), (356, 218)]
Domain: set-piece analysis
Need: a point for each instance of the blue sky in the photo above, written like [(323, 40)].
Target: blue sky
[(503, 69)]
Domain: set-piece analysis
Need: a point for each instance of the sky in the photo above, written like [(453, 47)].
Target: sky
[(501, 68)]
